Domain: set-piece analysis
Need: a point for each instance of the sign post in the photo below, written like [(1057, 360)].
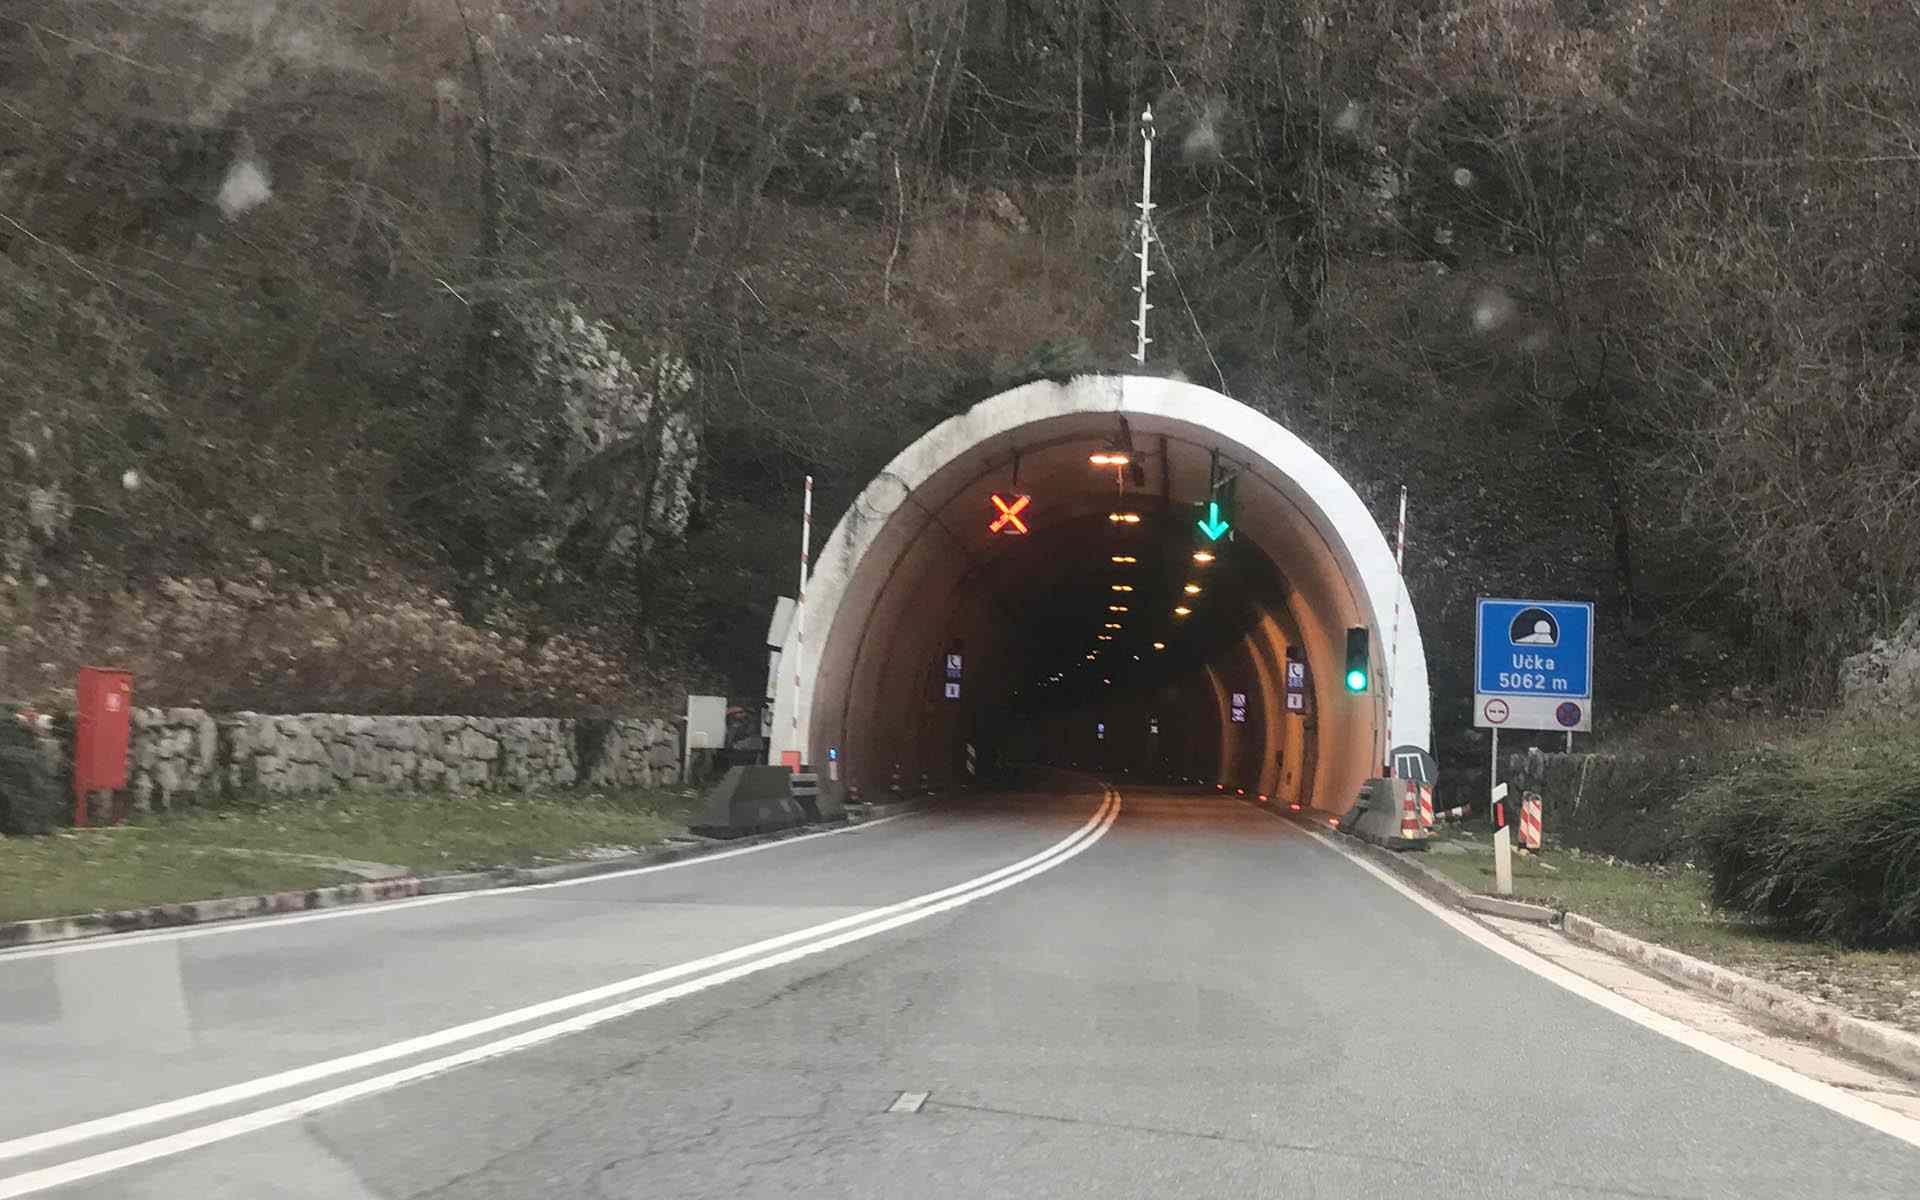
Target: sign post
[(1502, 846), (1533, 665)]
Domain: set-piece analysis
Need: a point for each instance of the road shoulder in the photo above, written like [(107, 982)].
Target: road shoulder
[(1806, 1051)]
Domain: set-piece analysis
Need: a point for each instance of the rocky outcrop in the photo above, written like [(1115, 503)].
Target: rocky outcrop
[(181, 755), (1884, 679)]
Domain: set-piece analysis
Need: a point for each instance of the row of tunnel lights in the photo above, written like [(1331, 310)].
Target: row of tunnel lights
[(1119, 459)]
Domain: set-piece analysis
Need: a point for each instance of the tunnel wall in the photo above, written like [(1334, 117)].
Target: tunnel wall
[(886, 594)]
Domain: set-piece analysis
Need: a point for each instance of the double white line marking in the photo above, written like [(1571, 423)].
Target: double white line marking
[(642, 992)]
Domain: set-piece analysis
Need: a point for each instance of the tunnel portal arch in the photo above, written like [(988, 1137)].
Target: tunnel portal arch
[(910, 566)]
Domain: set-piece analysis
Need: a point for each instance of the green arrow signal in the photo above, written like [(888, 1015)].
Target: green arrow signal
[(1213, 526)]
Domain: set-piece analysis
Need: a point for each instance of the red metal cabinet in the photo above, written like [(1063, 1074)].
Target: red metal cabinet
[(102, 730)]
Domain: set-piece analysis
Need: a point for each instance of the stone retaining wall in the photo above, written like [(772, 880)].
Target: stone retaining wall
[(180, 755)]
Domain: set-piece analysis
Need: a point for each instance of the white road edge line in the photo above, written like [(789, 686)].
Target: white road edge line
[(1833, 1099), (117, 941), (790, 946)]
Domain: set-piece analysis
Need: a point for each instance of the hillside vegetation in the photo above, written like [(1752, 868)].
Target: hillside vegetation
[(411, 348)]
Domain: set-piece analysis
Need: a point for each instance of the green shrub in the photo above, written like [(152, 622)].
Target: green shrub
[(31, 798), (1820, 834)]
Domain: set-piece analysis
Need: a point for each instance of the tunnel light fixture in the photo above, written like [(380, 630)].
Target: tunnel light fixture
[(1091, 657), (1124, 560), (1124, 518), (1159, 645), (1203, 557), (1106, 637), (1109, 458), (1116, 608), (1122, 587), (1181, 610), (1108, 682), (1113, 625), (1192, 589)]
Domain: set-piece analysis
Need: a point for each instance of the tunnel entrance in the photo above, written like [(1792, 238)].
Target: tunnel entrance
[(1071, 642)]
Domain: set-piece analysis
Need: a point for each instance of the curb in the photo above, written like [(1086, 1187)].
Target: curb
[(892, 808), (43, 930), (199, 912), (1884, 1044)]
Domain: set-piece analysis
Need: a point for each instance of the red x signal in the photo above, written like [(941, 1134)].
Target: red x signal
[(1009, 519)]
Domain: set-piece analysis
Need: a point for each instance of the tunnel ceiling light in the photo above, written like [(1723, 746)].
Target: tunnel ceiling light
[(1192, 589), (1124, 518), (1182, 610), (1159, 645), (1109, 458), (1108, 682), (1122, 587), (1091, 657), (1117, 608), (1125, 559), (1106, 637), (1203, 557)]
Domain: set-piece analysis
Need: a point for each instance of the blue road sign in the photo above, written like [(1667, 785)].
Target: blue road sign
[(1533, 664)]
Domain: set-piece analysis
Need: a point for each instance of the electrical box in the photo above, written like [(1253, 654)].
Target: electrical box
[(102, 730)]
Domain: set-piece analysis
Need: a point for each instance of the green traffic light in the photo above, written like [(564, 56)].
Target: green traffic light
[(1357, 672), (1213, 526)]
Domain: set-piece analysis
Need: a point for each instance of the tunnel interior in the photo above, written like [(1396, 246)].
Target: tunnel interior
[(1114, 634)]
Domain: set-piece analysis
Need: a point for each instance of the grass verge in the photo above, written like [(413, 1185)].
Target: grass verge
[(1672, 907), (248, 847)]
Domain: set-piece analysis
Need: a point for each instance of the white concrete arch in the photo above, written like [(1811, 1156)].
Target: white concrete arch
[(902, 573)]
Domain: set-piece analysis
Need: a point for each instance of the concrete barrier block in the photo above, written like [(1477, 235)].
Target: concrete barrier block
[(748, 800)]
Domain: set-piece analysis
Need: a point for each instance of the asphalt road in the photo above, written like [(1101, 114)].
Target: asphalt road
[(1192, 998)]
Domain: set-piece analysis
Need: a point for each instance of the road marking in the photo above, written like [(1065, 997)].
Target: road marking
[(908, 1102), (378, 908), (1893, 1124), (787, 948)]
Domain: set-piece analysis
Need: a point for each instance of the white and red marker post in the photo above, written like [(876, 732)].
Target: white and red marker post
[(796, 753), (1393, 647)]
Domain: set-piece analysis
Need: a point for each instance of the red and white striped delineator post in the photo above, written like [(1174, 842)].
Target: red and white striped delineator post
[(1530, 821), (1410, 827), (1451, 814), (1399, 585), (1426, 809), (798, 640)]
